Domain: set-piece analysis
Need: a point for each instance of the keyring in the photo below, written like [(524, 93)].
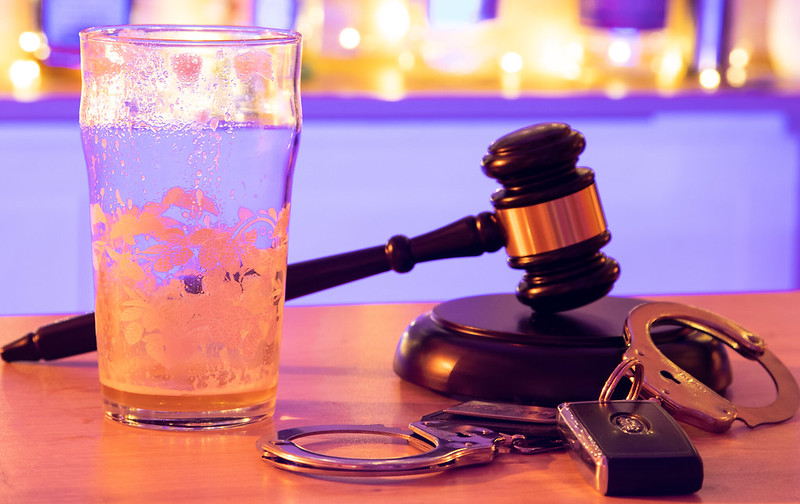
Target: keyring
[(685, 397), (449, 445), (634, 366)]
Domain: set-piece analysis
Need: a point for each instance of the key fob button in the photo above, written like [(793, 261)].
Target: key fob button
[(630, 448)]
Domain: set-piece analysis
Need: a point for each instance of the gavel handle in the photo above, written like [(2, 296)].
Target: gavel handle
[(470, 236)]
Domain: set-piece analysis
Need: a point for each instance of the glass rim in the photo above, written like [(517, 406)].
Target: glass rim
[(243, 35)]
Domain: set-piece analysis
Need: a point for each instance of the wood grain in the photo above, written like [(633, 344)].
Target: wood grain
[(336, 367)]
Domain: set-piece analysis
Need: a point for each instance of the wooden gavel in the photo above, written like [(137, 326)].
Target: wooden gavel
[(547, 216)]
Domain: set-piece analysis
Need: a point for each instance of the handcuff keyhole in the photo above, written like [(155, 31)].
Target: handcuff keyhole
[(668, 376)]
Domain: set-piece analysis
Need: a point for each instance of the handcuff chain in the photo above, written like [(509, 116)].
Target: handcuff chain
[(525, 445)]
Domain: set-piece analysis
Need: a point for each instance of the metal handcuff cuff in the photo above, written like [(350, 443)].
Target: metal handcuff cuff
[(456, 441)]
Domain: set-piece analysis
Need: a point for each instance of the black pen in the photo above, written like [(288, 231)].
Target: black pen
[(70, 336)]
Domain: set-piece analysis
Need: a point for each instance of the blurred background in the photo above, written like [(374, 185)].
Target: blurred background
[(690, 109)]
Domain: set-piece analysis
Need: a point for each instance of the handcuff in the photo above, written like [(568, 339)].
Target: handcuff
[(446, 445), (461, 440), (687, 398)]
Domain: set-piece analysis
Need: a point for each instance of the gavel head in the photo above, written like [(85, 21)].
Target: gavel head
[(551, 217)]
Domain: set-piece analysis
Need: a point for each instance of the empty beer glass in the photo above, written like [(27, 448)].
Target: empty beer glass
[(190, 135)]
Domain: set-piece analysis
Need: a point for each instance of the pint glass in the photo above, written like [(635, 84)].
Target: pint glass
[(190, 135)]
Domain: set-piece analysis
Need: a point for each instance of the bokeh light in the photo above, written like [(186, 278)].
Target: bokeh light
[(511, 62), (349, 38), (709, 79)]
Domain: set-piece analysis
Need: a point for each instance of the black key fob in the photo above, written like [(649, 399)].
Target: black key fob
[(630, 448)]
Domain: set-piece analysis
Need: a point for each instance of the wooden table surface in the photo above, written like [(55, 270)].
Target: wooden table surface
[(336, 368)]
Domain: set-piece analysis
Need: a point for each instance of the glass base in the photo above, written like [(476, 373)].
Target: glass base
[(187, 420)]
